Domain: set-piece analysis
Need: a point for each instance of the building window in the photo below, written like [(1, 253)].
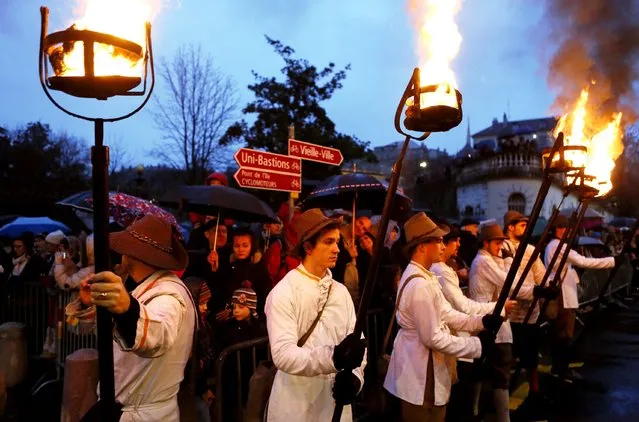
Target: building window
[(517, 202), (468, 212)]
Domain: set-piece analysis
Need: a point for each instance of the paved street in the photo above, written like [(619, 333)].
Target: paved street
[(610, 354), (607, 356)]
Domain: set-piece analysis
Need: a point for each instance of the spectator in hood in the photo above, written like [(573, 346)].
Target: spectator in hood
[(217, 179)]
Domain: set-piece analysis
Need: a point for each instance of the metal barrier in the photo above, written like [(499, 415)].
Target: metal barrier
[(29, 303), (376, 325), (68, 341), (236, 351), (592, 281)]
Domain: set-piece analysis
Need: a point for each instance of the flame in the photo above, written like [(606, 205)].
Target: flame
[(122, 18), (438, 44), (604, 144)]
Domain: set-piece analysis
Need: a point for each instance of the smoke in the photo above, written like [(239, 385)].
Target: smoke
[(594, 44)]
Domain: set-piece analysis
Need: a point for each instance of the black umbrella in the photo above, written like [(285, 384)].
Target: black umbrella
[(368, 192), (220, 201)]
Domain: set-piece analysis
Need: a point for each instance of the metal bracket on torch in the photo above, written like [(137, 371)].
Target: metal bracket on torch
[(427, 121)]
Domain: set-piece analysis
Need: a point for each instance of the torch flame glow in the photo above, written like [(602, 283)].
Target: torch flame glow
[(122, 18), (604, 143), (439, 43)]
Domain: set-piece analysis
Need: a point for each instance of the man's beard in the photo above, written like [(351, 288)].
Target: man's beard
[(519, 238)]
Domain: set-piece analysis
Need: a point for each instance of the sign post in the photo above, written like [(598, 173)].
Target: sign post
[(291, 198)]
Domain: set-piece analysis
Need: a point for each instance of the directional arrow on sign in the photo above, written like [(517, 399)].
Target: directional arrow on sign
[(267, 180), (313, 152)]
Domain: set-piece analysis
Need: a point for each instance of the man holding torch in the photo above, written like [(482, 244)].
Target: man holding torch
[(564, 329), (488, 273), (423, 363), (525, 336), (154, 318)]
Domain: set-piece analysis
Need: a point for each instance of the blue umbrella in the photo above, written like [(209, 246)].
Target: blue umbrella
[(34, 225)]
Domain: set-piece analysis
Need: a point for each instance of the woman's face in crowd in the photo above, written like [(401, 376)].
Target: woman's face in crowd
[(366, 243), (241, 312), (18, 248), (242, 246), (222, 236)]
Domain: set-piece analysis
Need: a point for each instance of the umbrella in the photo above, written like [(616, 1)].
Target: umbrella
[(587, 241), (590, 213), (344, 190), (622, 222), (220, 200), (34, 225), (123, 209)]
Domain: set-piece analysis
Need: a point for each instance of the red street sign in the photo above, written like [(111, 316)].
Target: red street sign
[(260, 160), (258, 179), (314, 152)]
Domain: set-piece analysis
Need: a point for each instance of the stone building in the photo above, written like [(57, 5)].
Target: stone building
[(501, 170)]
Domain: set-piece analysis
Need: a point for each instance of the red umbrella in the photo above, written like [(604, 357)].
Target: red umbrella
[(123, 209)]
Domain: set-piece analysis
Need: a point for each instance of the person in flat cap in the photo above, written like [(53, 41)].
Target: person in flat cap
[(424, 342), (310, 320), (154, 323), (564, 327), (487, 276)]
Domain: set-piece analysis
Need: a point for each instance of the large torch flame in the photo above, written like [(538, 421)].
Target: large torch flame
[(438, 44), (604, 144), (122, 18)]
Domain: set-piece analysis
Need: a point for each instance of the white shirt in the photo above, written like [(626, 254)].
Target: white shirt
[(534, 277), (148, 374), (302, 389), (571, 278), (424, 316), (486, 278), (449, 281)]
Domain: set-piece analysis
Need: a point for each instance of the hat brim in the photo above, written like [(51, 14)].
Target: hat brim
[(517, 220), (312, 232), (488, 239), (125, 244), (439, 232)]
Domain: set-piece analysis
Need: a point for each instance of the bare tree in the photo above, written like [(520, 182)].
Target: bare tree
[(118, 155), (198, 106)]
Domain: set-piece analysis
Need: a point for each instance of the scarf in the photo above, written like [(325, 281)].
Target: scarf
[(19, 263)]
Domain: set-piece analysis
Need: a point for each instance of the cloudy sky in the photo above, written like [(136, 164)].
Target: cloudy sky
[(500, 67)]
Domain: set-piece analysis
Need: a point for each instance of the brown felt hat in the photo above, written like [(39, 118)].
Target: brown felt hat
[(309, 223), (561, 221), (491, 232), (420, 229), (513, 217), (152, 241)]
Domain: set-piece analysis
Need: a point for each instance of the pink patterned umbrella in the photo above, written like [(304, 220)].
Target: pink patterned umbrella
[(123, 209)]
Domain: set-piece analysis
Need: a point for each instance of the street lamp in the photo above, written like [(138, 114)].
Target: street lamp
[(94, 80), (423, 164)]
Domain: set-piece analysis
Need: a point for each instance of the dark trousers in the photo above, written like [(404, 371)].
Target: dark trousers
[(460, 405), (563, 333)]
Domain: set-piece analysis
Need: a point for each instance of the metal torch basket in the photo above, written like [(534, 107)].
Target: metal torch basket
[(54, 46)]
